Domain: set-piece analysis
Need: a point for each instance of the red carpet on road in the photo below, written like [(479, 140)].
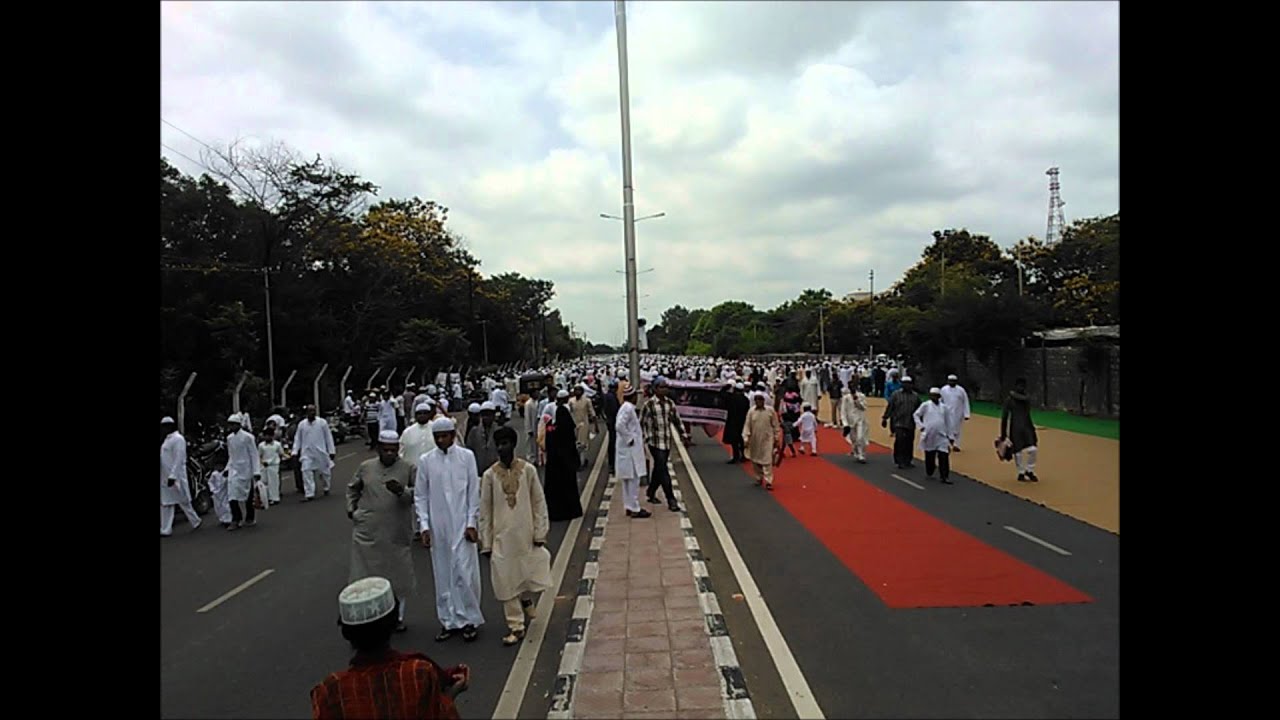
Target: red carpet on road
[(906, 556)]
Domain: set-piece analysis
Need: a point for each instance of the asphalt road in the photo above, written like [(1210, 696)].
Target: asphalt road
[(863, 659), (259, 653)]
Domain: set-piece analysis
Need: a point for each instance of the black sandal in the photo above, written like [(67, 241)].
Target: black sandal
[(445, 634), (469, 633)]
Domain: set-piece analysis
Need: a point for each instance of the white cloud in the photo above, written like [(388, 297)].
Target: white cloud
[(791, 145)]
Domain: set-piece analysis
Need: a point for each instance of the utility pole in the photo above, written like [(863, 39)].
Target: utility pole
[(628, 204), (484, 324), (822, 336), (271, 354), (873, 287)]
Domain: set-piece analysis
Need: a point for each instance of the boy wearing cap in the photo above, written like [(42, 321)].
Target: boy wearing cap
[(382, 682)]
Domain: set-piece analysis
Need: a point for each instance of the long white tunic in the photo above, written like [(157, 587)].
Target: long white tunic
[(386, 416), (242, 465), (173, 464), (218, 488), (416, 441), (447, 499), (348, 405), (313, 444), (931, 418), (809, 392), (628, 457), (808, 425), (853, 410), (513, 516), (957, 402)]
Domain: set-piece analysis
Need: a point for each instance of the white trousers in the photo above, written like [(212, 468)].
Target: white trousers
[(631, 494), (813, 445), (309, 481), (959, 428), (271, 476), (1026, 460), (858, 440), (166, 517)]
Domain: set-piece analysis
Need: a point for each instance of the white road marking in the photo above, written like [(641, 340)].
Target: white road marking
[(236, 590), (1036, 540), (522, 669), (914, 485), (788, 670), (344, 457)]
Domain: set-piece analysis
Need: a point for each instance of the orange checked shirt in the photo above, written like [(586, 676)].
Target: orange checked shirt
[(384, 686)]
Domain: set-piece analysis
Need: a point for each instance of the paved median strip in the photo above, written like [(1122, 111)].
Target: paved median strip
[(1037, 540), (236, 590)]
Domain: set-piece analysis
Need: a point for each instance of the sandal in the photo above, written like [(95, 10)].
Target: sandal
[(445, 634), (513, 637), (469, 633)]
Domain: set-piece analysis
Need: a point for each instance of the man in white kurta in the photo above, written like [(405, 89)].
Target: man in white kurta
[(244, 469), (313, 444), (809, 390), (416, 441), (853, 416), (173, 479), (957, 402), (447, 499), (629, 461), (513, 532), (935, 441), (387, 413)]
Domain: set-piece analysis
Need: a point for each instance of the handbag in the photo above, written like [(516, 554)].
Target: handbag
[(1004, 449)]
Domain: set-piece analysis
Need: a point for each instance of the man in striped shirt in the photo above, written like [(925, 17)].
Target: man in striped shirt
[(656, 419)]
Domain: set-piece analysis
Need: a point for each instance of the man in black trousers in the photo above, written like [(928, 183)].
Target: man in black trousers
[(738, 406), (611, 405), (901, 413)]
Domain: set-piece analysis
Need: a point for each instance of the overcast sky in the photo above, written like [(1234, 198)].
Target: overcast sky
[(791, 145)]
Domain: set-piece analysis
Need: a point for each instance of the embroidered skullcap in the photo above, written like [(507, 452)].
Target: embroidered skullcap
[(389, 436), (365, 601), (443, 424)]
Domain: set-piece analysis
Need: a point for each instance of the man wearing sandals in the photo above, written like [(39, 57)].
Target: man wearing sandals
[(447, 499), (513, 532), (761, 438)]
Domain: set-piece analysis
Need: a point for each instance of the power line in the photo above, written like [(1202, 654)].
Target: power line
[(198, 164), (184, 132)]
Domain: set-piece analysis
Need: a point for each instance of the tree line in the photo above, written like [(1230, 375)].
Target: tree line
[(964, 292), (353, 280)]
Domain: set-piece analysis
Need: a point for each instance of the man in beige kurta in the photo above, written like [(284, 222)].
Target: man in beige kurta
[(380, 506), (513, 531), (760, 435), (583, 412)]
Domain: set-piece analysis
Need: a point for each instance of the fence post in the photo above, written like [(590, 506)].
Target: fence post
[(342, 386), (284, 391), (315, 389), (182, 404)]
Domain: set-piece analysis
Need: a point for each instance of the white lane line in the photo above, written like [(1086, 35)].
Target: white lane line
[(236, 590), (788, 669), (522, 669), (914, 485), (344, 457), (1036, 540)]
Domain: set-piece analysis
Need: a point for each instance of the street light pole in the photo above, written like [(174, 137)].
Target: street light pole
[(271, 355), (484, 324), (628, 204), (822, 333)]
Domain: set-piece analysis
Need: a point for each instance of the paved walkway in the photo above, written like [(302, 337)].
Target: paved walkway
[(652, 642)]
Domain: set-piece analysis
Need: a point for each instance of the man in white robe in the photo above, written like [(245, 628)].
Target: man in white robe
[(630, 464), (387, 414), (957, 402), (313, 444), (174, 489), (244, 470), (416, 441), (513, 531), (853, 417), (931, 418), (809, 392), (380, 505), (447, 499)]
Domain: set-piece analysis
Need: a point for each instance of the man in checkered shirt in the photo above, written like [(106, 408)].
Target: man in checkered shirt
[(656, 419)]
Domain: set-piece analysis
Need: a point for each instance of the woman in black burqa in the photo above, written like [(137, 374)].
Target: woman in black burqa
[(562, 464)]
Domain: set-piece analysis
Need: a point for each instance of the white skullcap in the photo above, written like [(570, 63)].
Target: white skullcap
[(166, 420), (906, 378), (952, 377), (389, 436), (562, 394), (443, 424), (934, 391), (739, 386), (431, 388), (235, 418), (474, 408), (365, 601), (488, 406), (422, 407)]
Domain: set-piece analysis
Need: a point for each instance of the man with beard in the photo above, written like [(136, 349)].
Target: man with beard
[(563, 502), (513, 531), (761, 436), (380, 507), (899, 417)]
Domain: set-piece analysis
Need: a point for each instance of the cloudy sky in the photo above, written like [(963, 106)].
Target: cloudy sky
[(790, 144)]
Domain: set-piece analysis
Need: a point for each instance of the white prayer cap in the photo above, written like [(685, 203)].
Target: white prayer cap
[(443, 424), (739, 386), (389, 436), (431, 388), (474, 408), (422, 407), (488, 406), (934, 391), (562, 394), (365, 601), (235, 418), (166, 420), (906, 378), (952, 377)]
